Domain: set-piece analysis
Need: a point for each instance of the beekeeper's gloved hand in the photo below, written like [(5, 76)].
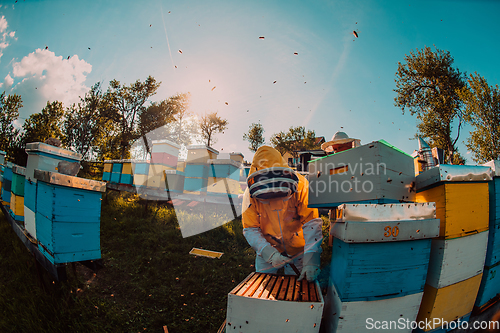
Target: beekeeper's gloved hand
[(313, 236), (272, 256), (310, 267)]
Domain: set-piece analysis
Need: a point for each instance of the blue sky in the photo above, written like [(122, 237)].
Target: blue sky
[(334, 82)]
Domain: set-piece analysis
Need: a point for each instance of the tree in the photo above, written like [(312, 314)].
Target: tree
[(85, 124), (127, 103), (482, 103), (255, 136), (9, 113), (295, 140), (185, 129), (427, 86), (46, 124), (154, 120), (210, 125)]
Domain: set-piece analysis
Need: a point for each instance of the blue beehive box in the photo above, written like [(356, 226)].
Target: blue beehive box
[(7, 183), (68, 217), (140, 168), (224, 168), (493, 250), (196, 170), (195, 184)]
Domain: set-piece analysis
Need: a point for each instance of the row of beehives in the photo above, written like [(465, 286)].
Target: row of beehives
[(201, 173), (60, 213), (430, 259)]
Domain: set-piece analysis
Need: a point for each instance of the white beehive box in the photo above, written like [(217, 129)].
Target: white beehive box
[(274, 303), (360, 316), (455, 260)]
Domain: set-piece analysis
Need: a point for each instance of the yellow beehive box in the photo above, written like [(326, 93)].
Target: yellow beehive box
[(17, 204), (200, 154), (218, 185), (127, 168), (449, 303), (181, 165), (108, 165), (158, 169), (238, 157), (461, 207), (140, 180), (156, 181)]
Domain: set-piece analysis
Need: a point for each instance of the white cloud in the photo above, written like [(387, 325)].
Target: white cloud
[(42, 76), (7, 82), (3, 24), (5, 35)]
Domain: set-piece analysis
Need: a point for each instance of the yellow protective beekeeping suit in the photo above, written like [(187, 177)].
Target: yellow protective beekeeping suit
[(289, 213)]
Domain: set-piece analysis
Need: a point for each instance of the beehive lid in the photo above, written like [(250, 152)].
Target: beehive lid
[(225, 161), (35, 147), (386, 212), (19, 170), (173, 144), (70, 181), (495, 167), (453, 173), (198, 147)]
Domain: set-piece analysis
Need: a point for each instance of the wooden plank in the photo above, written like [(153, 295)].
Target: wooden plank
[(250, 291), (296, 294), (268, 287), (246, 283), (205, 253), (284, 287), (312, 292), (275, 291), (305, 291), (291, 288), (241, 284), (262, 287)]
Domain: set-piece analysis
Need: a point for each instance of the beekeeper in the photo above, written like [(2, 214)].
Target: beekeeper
[(277, 223), (340, 142)]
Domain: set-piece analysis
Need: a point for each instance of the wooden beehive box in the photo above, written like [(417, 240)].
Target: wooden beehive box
[(349, 317), (274, 303), (42, 156), (223, 186), (446, 185), (18, 177), (374, 173), (7, 184), (490, 286), (224, 168), (200, 154), (165, 146), (451, 302), (236, 156), (16, 207), (140, 168), (68, 217), (365, 235), (457, 259)]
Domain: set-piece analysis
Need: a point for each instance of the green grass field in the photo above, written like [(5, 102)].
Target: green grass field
[(149, 279)]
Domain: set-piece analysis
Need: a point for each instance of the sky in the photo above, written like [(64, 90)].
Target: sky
[(278, 63)]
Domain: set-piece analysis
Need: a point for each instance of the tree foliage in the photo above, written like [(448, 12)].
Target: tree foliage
[(9, 113), (427, 85), (295, 140), (85, 124), (210, 125), (46, 124), (482, 111), (255, 136), (127, 103)]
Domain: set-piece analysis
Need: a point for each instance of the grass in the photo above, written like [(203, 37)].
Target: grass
[(149, 279)]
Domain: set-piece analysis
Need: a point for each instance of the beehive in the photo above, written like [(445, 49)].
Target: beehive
[(374, 173), (490, 285), (436, 303), (106, 171), (126, 175), (68, 217), (116, 172), (223, 186), (7, 184), (445, 185), (238, 157), (196, 178), (16, 207), (274, 303), (18, 177), (340, 316), (493, 251), (200, 154), (165, 152)]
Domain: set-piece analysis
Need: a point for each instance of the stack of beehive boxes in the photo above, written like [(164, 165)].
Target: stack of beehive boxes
[(7, 184), (2, 161), (43, 157), (17, 193), (196, 171), (380, 257), (490, 284), (140, 171), (164, 157), (223, 177), (457, 256), (68, 217)]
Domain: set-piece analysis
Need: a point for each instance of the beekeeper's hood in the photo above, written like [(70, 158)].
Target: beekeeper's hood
[(267, 157), (270, 176)]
